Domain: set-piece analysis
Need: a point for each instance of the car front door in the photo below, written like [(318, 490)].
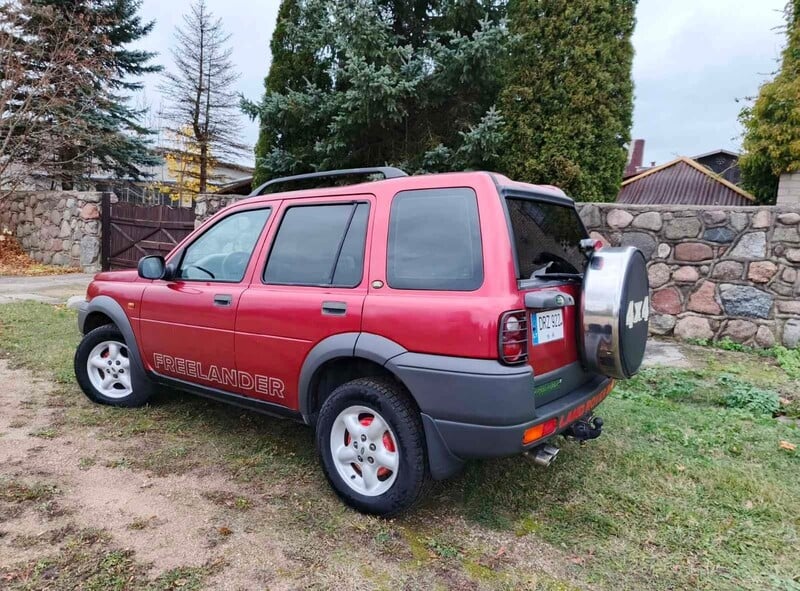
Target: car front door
[(187, 323), (312, 285)]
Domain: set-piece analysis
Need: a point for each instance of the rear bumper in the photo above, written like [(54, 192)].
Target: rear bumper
[(472, 441), (474, 409)]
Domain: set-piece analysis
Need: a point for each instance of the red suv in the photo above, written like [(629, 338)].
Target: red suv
[(415, 322)]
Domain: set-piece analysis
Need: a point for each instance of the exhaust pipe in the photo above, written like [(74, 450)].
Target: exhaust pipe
[(543, 455)]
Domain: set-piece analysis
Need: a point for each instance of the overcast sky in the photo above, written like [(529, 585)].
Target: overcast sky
[(694, 59)]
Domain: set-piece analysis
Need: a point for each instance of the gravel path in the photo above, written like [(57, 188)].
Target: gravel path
[(50, 289)]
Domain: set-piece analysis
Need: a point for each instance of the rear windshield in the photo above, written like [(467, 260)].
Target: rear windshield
[(546, 237)]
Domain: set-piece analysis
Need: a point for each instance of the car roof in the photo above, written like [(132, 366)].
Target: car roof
[(414, 182)]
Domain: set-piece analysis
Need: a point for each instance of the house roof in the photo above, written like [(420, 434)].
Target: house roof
[(682, 181), (240, 186), (713, 152)]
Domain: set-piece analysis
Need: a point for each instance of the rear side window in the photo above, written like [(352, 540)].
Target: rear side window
[(546, 237), (435, 241), (319, 245)]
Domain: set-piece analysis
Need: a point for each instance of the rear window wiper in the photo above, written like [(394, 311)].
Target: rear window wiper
[(541, 273), (558, 276)]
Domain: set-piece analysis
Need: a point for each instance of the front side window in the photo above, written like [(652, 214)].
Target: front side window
[(435, 241), (222, 253), (319, 245)]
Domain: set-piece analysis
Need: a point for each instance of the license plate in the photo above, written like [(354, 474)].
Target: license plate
[(548, 326)]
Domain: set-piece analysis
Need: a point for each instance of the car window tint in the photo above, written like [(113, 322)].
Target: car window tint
[(312, 238), (546, 236), (350, 266), (435, 241), (223, 251)]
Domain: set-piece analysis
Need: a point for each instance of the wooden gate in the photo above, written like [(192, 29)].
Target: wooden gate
[(131, 231)]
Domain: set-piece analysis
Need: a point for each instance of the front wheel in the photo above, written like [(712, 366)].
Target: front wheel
[(104, 370), (372, 446)]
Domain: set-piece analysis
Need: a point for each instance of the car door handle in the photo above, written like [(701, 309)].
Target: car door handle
[(223, 299), (334, 308)]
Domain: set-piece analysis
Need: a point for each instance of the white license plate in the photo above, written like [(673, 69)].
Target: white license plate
[(548, 326)]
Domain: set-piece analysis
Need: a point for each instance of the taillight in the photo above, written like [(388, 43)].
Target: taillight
[(513, 341), (539, 431)]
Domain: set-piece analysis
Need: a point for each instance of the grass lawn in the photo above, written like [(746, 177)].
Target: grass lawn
[(688, 488)]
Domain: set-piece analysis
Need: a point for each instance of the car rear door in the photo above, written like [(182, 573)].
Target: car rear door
[(546, 235), (310, 284)]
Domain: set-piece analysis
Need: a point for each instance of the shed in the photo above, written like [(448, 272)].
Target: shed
[(682, 181)]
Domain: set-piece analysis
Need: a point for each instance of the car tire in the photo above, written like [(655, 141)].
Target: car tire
[(105, 371), (376, 470)]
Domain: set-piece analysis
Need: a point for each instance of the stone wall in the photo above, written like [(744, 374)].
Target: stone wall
[(715, 272), (209, 204), (56, 227)]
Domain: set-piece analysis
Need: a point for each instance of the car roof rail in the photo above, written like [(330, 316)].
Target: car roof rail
[(388, 172)]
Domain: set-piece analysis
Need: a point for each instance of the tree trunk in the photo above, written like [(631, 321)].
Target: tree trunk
[(203, 167), (67, 166)]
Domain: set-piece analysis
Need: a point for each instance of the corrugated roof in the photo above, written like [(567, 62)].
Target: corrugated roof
[(682, 181)]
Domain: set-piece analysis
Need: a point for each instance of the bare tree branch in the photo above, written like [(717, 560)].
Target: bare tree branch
[(39, 85), (200, 92)]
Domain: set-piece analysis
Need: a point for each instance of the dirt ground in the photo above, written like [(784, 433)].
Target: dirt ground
[(689, 489), (169, 521), (188, 520)]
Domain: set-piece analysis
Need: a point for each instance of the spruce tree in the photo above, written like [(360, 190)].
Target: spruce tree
[(772, 124), (107, 134), (567, 98), (293, 62), (369, 82)]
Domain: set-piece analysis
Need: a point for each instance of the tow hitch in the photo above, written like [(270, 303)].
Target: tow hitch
[(585, 429)]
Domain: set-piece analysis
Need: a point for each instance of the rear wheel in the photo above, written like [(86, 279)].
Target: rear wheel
[(371, 446), (104, 370)]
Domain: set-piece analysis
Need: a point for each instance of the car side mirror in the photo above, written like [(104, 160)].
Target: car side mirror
[(152, 267)]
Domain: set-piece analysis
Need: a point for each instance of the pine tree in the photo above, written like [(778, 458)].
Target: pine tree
[(772, 124), (203, 107), (363, 82), (105, 131), (567, 98)]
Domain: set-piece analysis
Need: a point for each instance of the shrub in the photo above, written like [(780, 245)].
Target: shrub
[(741, 395)]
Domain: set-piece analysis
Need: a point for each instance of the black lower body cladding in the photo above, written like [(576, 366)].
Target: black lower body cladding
[(615, 309)]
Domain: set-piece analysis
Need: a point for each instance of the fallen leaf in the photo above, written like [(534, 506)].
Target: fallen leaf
[(787, 446), (179, 582), (14, 261)]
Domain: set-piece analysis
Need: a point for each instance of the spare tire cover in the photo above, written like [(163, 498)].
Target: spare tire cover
[(615, 309)]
